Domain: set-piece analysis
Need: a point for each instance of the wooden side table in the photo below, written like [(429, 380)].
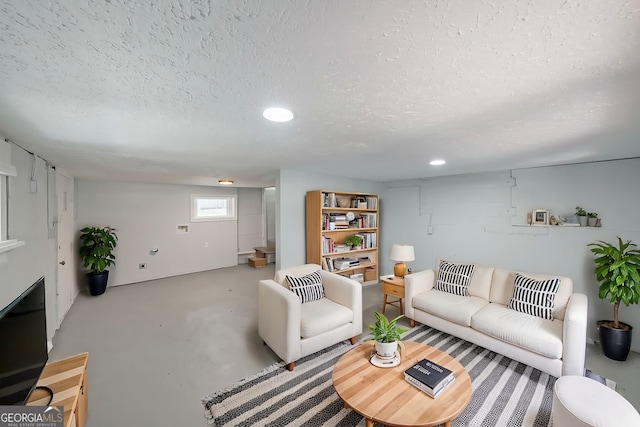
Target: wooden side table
[(394, 286), (68, 380)]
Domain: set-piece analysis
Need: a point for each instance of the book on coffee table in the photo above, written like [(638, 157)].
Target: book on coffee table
[(433, 393), (429, 377)]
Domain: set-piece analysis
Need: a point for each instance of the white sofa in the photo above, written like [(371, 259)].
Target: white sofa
[(294, 330), (554, 346)]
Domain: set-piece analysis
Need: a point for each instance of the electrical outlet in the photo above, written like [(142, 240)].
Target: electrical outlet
[(142, 266), (206, 244)]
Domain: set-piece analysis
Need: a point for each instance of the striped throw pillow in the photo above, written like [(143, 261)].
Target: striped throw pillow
[(534, 297), (307, 288), (454, 278)]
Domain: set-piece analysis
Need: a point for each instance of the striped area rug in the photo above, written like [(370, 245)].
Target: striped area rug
[(505, 392)]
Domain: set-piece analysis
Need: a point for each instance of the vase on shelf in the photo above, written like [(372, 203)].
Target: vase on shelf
[(583, 221)]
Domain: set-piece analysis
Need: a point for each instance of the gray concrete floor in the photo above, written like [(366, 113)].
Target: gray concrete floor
[(157, 348)]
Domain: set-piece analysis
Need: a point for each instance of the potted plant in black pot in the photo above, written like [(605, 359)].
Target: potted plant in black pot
[(96, 252), (617, 272)]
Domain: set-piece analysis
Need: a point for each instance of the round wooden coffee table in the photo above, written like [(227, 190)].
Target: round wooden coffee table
[(383, 395)]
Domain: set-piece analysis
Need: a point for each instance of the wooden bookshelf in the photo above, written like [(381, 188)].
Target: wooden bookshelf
[(324, 241)]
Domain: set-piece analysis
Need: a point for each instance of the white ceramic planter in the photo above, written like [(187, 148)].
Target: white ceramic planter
[(386, 349)]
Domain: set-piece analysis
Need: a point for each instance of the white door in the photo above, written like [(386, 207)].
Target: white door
[(66, 247)]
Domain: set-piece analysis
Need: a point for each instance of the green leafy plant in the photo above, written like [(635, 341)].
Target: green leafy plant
[(592, 215), (617, 272), (96, 248), (580, 211), (385, 330), (353, 240)]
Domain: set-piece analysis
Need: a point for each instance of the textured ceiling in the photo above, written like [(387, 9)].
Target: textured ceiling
[(173, 90)]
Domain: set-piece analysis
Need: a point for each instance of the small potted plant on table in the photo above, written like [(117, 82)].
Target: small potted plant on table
[(617, 272), (387, 335), (592, 219), (96, 252)]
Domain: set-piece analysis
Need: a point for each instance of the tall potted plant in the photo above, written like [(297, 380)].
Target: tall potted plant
[(96, 252), (617, 272)]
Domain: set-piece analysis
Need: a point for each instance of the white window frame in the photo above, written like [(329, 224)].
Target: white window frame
[(3, 208), (6, 170), (231, 214)]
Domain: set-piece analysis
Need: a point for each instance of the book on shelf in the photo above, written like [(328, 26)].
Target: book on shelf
[(368, 220), (343, 263), (327, 264), (328, 245), (372, 203), (429, 377), (368, 240), (329, 200)]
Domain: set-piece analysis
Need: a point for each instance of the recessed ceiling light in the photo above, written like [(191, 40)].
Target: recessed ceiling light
[(277, 114), (225, 181), (437, 162)]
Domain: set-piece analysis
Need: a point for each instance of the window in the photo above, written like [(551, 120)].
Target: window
[(6, 170), (3, 208), (212, 208)]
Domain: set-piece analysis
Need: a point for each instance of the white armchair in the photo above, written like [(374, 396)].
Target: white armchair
[(294, 330)]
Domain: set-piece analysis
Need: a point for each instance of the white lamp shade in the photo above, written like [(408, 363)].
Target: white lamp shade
[(401, 253)]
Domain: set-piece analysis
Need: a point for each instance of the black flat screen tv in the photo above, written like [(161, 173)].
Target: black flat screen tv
[(23, 345)]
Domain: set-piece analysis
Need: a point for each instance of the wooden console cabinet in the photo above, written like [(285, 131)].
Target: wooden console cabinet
[(68, 380)]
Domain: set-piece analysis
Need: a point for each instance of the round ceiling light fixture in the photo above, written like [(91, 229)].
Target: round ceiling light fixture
[(437, 162), (277, 114), (225, 181)]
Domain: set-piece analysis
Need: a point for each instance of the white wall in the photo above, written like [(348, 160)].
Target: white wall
[(146, 217), (250, 222), (473, 219), (270, 215), (27, 211), (291, 189)]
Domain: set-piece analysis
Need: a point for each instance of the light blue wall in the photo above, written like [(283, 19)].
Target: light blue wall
[(291, 189), (401, 222), (482, 218)]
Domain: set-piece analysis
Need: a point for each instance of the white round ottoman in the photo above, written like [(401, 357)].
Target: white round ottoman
[(581, 402)]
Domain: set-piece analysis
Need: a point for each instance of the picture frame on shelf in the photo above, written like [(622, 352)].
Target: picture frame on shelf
[(540, 217)]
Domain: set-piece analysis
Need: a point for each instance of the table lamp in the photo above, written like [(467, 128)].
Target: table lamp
[(400, 254)]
